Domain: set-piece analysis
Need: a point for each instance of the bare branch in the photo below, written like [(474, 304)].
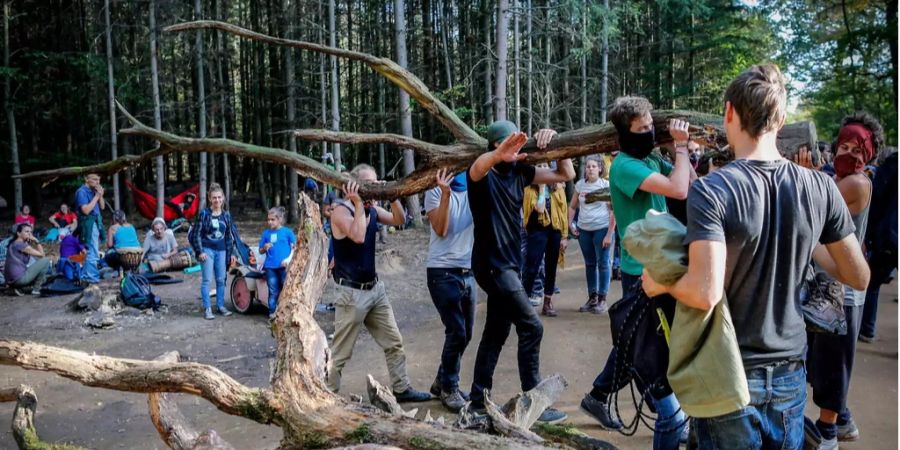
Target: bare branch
[(403, 78), (173, 428), (130, 375), (426, 149)]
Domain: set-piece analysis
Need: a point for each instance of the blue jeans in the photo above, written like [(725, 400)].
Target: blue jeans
[(213, 267), (453, 294), (507, 305), (772, 420), (91, 272), (275, 281), (596, 259), (881, 264)]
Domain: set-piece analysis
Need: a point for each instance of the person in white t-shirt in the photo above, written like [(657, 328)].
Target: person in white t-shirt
[(595, 230)]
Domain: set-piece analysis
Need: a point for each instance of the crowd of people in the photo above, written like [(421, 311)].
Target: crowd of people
[(759, 226)]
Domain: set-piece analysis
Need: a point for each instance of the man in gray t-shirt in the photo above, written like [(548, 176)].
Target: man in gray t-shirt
[(752, 228), (450, 279)]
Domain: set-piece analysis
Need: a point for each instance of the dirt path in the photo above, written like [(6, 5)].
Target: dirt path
[(574, 344)]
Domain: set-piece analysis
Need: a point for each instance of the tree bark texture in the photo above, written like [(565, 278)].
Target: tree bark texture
[(157, 115)]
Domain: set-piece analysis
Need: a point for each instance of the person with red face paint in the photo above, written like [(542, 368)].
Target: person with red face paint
[(830, 356)]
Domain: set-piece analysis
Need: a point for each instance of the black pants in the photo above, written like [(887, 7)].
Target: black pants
[(881, 264), (507, 305), (829, 363), (543, 245), (453, 294)]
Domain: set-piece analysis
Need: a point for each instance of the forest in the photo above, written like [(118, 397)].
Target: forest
[(539, 63)]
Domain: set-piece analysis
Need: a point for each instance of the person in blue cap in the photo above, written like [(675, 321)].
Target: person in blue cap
[(496, 184)]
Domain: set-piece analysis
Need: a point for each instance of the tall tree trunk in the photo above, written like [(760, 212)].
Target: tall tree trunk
[(529, 105), (157, 115), (10, 114), (224, 99), (381, 121), (111, 85), (323, 82), (486, 14), (409, 160), (201, 100), (890, 13), (502, 51), (690, 63), (548, 69), (517, 105), (335, 85), (604, 65), (288, 13)]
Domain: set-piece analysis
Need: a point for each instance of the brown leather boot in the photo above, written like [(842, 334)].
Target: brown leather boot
[(548, 309), (591, 303), (600, 307)]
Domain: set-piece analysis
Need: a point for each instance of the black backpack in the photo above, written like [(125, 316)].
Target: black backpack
[(135, 291)]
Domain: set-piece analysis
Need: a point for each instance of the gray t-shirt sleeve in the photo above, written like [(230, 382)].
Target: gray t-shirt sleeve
[(838, 223), (432, 199), (705, 214)]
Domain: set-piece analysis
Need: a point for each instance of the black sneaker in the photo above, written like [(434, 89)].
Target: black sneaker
[(453, 400), (600, 411), (435, 388), (552, 415), (412, 395)]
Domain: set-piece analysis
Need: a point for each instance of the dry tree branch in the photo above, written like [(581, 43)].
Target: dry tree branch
[(389, 69), (132, 375)]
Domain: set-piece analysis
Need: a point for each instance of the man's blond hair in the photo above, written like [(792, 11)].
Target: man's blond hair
[(759, 98)]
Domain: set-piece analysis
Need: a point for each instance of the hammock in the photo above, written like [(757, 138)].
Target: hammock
[(146, 204)]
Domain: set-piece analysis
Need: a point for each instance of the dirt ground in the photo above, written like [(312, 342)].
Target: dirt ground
[(574, 345)]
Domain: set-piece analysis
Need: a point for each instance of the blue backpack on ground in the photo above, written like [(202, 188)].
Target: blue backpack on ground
[(135, 291)]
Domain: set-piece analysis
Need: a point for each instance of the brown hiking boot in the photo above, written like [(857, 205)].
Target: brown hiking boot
[(601, 307), (548, 309), (591, 303)]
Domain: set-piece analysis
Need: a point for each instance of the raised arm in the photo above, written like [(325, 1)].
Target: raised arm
[(677, 183), (396, 216), (440, 217), (507, 151), (345, 225)]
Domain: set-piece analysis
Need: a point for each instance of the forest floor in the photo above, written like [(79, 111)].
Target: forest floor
[(575, 345)]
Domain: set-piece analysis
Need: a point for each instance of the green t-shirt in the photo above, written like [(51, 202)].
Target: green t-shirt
[(629, 202)]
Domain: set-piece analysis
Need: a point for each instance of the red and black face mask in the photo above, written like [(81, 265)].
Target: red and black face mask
[(846, 164)]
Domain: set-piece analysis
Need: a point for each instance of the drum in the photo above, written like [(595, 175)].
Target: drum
[(130, 258), (178, 261)]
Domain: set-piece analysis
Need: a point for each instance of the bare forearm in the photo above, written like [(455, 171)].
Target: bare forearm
[(681, 173), (566, 169), (440, 216), (358, 226), (398, 212)]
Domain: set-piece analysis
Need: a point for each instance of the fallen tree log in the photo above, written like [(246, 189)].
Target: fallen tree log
[(298, 400)]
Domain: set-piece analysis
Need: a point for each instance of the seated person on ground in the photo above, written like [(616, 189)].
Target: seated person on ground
[(121, 236), (160, 242), (18, 272), (64, 221)]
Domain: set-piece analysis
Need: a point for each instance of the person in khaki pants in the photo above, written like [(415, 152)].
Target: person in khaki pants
[(362, 300)]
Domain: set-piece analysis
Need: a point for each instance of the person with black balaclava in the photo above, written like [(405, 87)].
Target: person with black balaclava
[(641, 180)]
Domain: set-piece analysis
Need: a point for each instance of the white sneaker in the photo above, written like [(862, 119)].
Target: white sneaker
[(537, 300)]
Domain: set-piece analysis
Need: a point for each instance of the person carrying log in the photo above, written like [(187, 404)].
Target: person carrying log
[(362, 300), (641, 180), (752, 227), (450, 279), (497, 181)]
